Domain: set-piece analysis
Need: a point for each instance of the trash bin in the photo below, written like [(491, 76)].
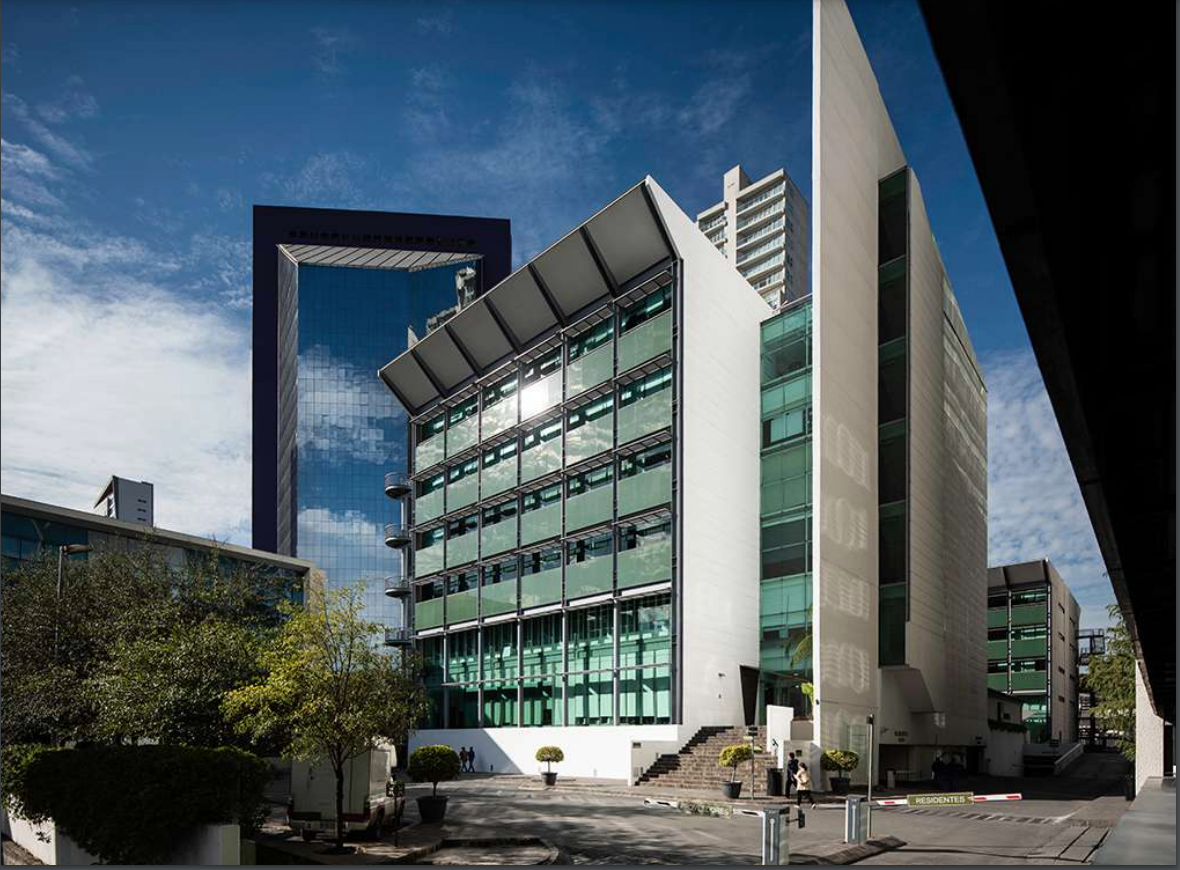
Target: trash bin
[(774, 781)]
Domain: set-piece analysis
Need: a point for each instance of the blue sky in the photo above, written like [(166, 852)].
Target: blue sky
[(137, 136)]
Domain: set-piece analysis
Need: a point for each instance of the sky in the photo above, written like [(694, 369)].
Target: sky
[(137, 136)]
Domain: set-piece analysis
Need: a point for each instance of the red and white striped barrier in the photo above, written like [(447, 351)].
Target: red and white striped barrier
[(979, 799)]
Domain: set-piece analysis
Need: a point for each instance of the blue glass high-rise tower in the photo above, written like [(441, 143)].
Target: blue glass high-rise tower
[(334, 305)]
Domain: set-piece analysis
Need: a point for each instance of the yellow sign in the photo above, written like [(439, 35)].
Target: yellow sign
[(943, 799)]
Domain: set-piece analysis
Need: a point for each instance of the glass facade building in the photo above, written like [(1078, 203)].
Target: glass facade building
[(542, 555), (343, 429), (786, 576)]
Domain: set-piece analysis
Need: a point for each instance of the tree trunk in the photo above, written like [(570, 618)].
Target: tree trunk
[(340, 808)]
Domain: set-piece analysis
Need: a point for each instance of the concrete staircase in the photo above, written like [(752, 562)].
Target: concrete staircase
[(695, 765)]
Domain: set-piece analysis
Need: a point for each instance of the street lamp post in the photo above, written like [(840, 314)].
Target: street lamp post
[(63, 551), (869, 802)]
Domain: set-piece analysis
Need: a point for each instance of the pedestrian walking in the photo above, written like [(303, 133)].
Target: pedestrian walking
[(462, 759), (803, 785), (471, 760), (792, 771)]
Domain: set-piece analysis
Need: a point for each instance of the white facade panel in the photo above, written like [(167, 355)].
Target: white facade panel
[(720, 474)]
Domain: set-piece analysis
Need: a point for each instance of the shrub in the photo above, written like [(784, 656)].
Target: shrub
[(839, 759), (550, 755), (434, 764), (127, 804), (734, 755), (14, 761)]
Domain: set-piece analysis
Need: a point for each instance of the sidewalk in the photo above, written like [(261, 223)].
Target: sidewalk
[(1146, 834)]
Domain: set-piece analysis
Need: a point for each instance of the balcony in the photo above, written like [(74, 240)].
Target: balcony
[(499, 598), (397, 586), (997, 650), (499, 417), (648, 415), (396, 535), (462, 435), (462, 492), (1036, 648), (462, 606), (647, 563), (429, 506), (398, 637), (428, 560), (648, 489), (998, 682), (1029, 614), (428, 614), (397, 484), (590, 577), (462, 549), (540, 396), (540, 524), (590, 369), (997, 618), (499, 477), (645, 341), (540, 460), (1030, 681), (498, 537), (429, 452), (589, 508), (590, 439), (544, 587)]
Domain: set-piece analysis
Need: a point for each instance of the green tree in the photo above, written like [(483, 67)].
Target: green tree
[(1112, 679), (134, 649), (329, 693)]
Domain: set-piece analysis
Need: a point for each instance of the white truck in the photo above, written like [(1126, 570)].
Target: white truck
[(370, 803)]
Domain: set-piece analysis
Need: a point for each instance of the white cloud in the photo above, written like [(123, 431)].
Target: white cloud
[(1035, 507), (442, 23), (330, 46), (63, 149), (107, 372), (74, 102), (328, 179)]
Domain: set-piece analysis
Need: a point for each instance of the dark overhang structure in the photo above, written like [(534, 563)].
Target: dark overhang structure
[(1069, 117)]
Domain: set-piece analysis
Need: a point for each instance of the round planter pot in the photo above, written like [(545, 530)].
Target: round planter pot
[(550, 778), (432, 809), (731, 790)]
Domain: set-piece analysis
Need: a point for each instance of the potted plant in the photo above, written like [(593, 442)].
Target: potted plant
[(733, 756), (836, 762), (550, 755), (433, 764)]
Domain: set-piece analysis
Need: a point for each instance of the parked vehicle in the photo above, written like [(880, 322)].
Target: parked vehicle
[(370, 803)]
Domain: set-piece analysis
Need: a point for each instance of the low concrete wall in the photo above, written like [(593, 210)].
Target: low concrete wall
[(1149, 736), (1005, 753), (597, 751), (212, 845)]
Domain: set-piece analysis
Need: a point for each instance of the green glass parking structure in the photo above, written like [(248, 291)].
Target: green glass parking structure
[(645, 406), (540, 452), (645, 480), (590, 566), (645, 341), (540, 578), (590, 429), (540, 517), (645, 553), (463, 426), (590, 498)]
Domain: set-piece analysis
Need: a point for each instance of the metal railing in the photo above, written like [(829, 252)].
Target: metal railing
[(397, 584), (398, 636), (397, 484), (396, 534)]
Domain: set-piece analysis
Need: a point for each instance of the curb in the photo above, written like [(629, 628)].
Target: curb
[(415, 856), (852, 854)]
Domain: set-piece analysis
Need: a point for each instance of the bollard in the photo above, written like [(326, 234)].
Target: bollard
[(776, 849), (856, 820)]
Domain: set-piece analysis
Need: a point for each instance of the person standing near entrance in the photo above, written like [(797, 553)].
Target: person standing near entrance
[(471, 760), (462, 759), (792, 771)]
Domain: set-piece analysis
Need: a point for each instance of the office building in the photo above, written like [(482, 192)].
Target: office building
[(1032, 646), (124, 499), (336, 293), (647, 507), (31, 529), (764, 227)]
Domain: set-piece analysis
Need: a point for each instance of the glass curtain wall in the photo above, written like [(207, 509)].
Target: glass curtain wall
[(893, 409), (786, 583)]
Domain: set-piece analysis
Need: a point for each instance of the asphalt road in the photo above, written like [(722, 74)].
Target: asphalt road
[(596, 828)]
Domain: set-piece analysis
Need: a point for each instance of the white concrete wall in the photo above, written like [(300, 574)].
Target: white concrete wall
[(721, 474), (853, 147), (1005, 753), (209, 845), (1149, 735), (603, 751)]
